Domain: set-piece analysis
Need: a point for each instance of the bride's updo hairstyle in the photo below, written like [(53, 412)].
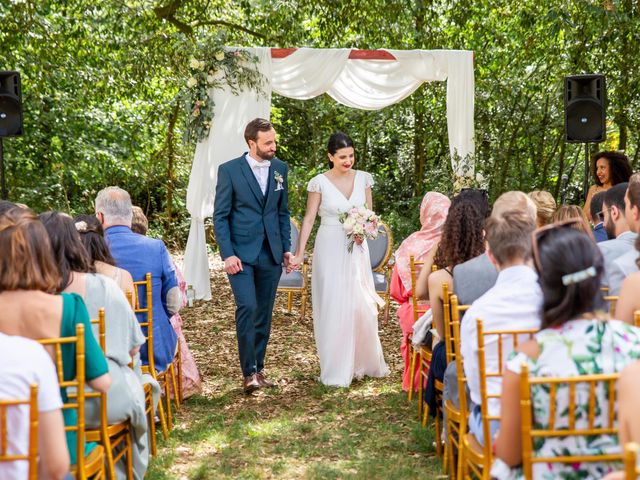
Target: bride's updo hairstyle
[(337, 141), (569, 266)]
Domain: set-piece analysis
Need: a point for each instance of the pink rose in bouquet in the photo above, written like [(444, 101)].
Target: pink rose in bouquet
[(359, 223)]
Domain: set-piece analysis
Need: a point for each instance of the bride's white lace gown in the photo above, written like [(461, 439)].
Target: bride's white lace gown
[(345, 303)]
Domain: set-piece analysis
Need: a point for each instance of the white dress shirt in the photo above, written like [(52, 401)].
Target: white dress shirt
[(513, 303), (260, 171)]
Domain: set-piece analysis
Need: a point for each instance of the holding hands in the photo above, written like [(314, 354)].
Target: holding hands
[(292, 262)]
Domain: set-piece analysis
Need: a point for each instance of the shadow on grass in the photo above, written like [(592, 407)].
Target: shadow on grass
[(361, 432)]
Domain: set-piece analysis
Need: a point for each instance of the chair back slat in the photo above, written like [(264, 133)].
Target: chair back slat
[(631, 470), (446, 314), (31, 456), (501, 336), (145, 286), (612, 300), (636, 318), (102, 396), (583, 383), (78, 383), (462, 380), (418, 309)]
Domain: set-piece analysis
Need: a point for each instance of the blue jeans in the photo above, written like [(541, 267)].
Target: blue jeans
[(475, 424)]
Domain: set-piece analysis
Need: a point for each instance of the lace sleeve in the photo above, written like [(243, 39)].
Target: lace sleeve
[(368, 180), (314, 185)]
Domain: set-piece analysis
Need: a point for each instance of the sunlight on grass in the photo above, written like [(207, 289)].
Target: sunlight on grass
[(299, 430)]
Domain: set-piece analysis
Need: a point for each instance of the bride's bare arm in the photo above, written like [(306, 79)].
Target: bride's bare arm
[(313, 204), (369, 198)]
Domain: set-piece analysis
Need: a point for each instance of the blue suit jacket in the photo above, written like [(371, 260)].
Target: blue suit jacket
[(138, 255), (243, 216)]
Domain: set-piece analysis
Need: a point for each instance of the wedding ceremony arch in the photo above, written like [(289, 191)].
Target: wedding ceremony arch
[(363, 79)]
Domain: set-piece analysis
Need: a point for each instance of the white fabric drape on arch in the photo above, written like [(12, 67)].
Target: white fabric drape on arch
[(307, 73)]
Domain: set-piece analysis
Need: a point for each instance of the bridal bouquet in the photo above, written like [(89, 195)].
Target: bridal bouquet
[(359, 223)]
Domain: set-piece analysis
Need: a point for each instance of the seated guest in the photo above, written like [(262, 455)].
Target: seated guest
[(513, 303), (545, 206), (92, 236), (125, 400), (629, 302), (625, 264), (575, 339), (24, 362), (615, 222), (599, 231), (422, 245), (568, 212), (140, 255), (29, 307), (139, 221), (484, 271), (191, 382), (628, 391), (608, 169), (474, 277)]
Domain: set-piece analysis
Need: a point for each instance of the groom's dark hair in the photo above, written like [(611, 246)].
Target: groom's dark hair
[(254, 126)]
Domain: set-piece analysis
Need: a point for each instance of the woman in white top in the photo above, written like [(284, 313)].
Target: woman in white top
[(22, 363), (345, 303)]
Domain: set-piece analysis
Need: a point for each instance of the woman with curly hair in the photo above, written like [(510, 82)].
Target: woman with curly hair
[(608, 169)]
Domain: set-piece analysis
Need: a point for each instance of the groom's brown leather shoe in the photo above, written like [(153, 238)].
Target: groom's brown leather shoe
[(263, 381), (251, 383)]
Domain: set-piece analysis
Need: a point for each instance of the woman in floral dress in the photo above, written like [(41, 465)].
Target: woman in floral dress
[(574, 340)]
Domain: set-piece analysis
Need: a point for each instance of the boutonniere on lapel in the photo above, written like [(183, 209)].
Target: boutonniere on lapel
[(277, 176)]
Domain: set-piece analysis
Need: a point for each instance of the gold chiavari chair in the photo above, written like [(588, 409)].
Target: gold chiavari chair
[(91, 466), (452, 445), (631, 470), (32, 452), (456, 424), (418, 310), (590, 383), (636, 318), (148, 401), (478, 457), (425, 362), (161, 377), (115, 438)]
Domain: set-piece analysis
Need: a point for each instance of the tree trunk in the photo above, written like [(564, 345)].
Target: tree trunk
[(171, 172)]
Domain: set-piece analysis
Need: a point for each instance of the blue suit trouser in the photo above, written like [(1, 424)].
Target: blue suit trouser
[(254, 289)]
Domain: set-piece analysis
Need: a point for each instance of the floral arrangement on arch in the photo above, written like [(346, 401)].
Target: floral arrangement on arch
[(215, 68)]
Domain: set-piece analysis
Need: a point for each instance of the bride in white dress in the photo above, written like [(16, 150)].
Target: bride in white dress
[(345, 303)]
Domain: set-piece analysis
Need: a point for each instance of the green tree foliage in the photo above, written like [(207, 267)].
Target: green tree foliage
[(100, 81)]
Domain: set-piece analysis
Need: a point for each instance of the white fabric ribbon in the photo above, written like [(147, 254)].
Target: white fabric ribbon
[(307, 73)]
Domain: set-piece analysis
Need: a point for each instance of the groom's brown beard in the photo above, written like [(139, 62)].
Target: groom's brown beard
[(265, 155)]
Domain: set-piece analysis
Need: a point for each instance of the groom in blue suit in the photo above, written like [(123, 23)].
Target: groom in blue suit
[(251, 220)]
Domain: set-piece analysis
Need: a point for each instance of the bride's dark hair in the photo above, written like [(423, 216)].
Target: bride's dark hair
[(337, 141)]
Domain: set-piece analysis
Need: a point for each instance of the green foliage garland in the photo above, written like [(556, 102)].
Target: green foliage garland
[(216, 68)]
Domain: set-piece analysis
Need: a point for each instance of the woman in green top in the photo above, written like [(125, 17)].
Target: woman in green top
[(29, 308)]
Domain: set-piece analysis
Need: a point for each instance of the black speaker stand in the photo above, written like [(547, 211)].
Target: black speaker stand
[(585, 184), (3, 183)]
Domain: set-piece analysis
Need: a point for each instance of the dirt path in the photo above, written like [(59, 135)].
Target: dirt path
[(299, 430)]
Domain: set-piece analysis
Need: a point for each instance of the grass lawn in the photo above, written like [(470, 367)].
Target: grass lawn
[(301, 429)]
